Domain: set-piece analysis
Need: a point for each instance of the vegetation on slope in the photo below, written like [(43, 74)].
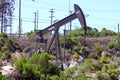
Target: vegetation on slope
[(101, 63)]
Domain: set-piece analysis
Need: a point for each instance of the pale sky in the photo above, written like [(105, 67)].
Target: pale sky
[(102, 13)]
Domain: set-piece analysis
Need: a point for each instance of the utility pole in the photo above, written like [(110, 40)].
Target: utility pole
[(51, 17), (2, 22), (21, 26), (70, 22), (36, 20), (70, 12), (64, 43), (36, 28), (52, 11), (19, 18), (118, 27)]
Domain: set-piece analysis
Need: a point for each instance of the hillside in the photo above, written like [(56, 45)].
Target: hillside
[(91, 58)]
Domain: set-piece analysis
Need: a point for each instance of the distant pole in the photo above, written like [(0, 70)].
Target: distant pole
[(118, 27), (36, 28), (19, 18), (2, 22), (35, 21), (21, 26), (52, 11), (70, 22), (64, 42), (70, 12), (51, 17)]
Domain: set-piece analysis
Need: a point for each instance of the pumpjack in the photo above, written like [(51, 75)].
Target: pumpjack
[(56, 26)]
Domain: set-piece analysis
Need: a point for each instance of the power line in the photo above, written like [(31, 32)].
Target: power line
[(31, 21), (88, 9), (102, 10), (106, 19), (31, 18)]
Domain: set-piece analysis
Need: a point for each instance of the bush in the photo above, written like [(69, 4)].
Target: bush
[(104, 59), (76, 55), (98, 50), (93, 33), (4, 35), (112, 70), (83, 49), (108, 67), (112, 45), (114, 74), (96, 66), (104, 32), (55, 77), (76, 48), (73, 73), (102, 76), (37, 67), (118, 38), (2, 77)]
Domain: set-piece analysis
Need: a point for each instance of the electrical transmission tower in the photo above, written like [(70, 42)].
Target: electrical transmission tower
[(6, 13), (51, 17)]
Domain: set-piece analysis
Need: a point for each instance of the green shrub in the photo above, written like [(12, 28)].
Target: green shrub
[(4, 35), (112, 45), (96, 66), (114, 74), (67, 75), (83, 49), (76, 48), (81, 77), (73, 73), (2, 77), (55, 77), (76, 55), (104, 59), (118, 38), (102, 76), (87, 64), (109, 75), (37, 67), (104, 32), (98, 50), (30, 34), (108, 67), (93, 33)]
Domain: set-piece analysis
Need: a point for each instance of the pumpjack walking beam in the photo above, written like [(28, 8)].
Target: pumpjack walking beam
[(78, 14), (55, 27)]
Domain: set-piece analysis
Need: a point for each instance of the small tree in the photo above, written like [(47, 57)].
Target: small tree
[(112, 45), (36, 67)]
